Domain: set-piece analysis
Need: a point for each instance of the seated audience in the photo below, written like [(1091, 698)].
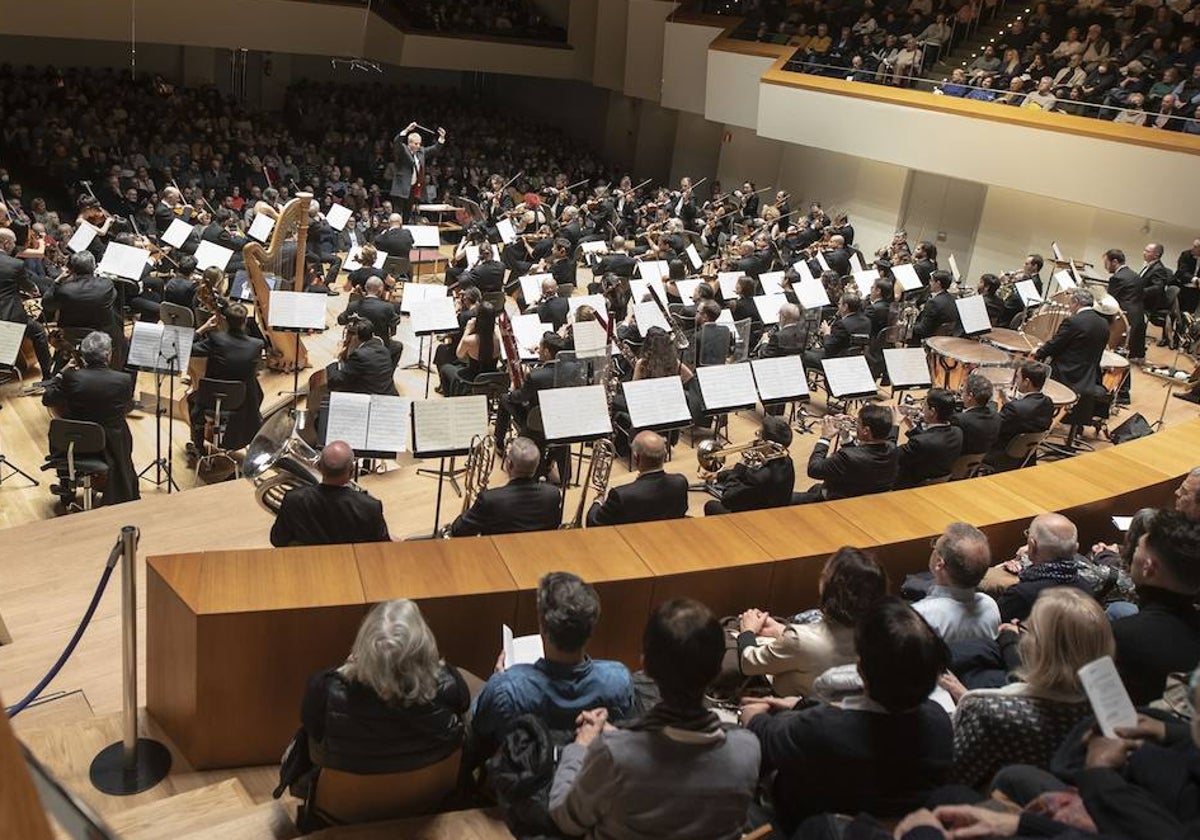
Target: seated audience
[(954, 608), (1051, 547), (675, 773)]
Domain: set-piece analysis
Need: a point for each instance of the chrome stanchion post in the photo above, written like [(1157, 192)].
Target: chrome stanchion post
[(133, 764)]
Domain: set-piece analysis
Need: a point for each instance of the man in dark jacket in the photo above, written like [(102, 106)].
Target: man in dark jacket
[(1052, 544), (331, 512), (383, 315), (12, 280), (1129, 290), (939, 312), (1029, 411), (979, 421), (1076, 349), (851, 326), (81, 299), (933, 444), (524, 504), (232, 356), (654, 495), (753, 488), (868, 466)]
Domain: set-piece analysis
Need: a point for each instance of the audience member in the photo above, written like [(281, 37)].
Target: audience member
[(953, 607), (1051, 547)]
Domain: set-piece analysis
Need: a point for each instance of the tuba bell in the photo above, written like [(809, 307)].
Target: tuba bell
[(711, 455), (278, 460)]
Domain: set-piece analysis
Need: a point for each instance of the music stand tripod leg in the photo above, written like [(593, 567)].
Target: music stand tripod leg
[(158, 415), (5, 463)]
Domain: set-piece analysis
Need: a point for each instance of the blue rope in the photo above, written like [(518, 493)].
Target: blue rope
[(19, 707)]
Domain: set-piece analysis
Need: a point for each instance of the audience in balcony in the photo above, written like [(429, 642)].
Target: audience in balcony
[(496, 18)]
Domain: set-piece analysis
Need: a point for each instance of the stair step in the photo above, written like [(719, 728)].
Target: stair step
[(61, 710), (167, 818), (476, 824), (268, 821)]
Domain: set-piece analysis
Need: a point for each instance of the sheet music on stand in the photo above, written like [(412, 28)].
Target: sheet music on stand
[(768, 307), (907, 277), (159, 347), (801, 267), (954, 272), (780, 379), (1064, 280), (772, 282), (1057, 253), (657, 403), (528, 331), (531, 287), (338, 215), (210, 254), (261, 228), (417, 292), (591, 340), (811, 293), (297, 311), (11, 336), (425, 236), (597, 302), (649, 315), (593, 247), (82, 237), (432, 316), (375, 425), (864, 280), (694, 257), (445, 427), (907, 367), (123, 261), (654, 270), (727, 387), (1029, 293), (856, 261), (821, 261), (849, 376), (972, 312), (570, 415), (640, 291), (177, 233), (727, 280), (686, 289), (508, 234)]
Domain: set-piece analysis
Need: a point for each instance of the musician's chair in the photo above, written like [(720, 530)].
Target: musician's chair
[(492, 385), (174, 315), (220, 398), (77, 454), (966, 466), (399, 268)]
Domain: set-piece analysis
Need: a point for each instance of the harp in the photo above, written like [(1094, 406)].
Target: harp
[(280, 265)]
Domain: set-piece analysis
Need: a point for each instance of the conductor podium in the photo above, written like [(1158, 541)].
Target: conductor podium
[(233, 635)]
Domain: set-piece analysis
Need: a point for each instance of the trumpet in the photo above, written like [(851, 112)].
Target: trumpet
[(846, 430), (711, 455)]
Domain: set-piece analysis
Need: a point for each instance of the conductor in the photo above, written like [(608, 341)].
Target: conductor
[(411, 156)]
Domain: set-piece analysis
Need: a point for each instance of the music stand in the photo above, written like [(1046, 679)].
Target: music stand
[(374, 425), (574, 415), (445, 429), (849, 380), (432, 317), (724, 389), (781, 381), (5, 462), (158, 348), (299, 313), (656, 405), (907, 369)]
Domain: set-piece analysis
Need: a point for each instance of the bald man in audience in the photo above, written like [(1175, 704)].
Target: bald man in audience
[(1187, 496), (331, 512), (524, 504), (1052, 544), (954, 608), (654, 494)]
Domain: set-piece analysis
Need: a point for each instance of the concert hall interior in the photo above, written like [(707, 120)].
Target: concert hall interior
[(335, 343)]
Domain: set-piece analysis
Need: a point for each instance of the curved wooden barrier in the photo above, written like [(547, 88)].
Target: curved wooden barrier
[(232, 635)]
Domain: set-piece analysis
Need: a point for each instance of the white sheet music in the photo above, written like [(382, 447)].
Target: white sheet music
[(593, 247), (1107, 694), (856, 261), (972, 311), (348, 419), (435, 315), (772, 282), (656, 403), (575, 413), (11, 336), (727, 280), (1064, 279), (694, 257), (597, 302), (338, 215), (1028, 292), (725, 318), (865, 280), (425, 236), (811, 293), (471, 252), (123, 261), (531, 287), (296, 311), (520, 650), (768, 307), (418, 292), (780, 378), (153, 345), (446, 427), (907, 367), (177, 233), (641, 290), (803, 270), (821, 261), (211, 254), (686, 289), (849, 376), (528, 331), (727, 386), (82, 237), (649, 315), (1122, 523), (1057, 253), (261, 227), (368, 422), (954, 269), (508, 233), (654, 270), (591, 340), (907, 277)]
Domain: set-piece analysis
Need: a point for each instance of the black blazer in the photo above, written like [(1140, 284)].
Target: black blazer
[(405, 163), (1076, 350), (650, 497), (620, 264), (767, 486), (1129, 288), (880, 312), (856, 470), (929, 453), (397, 242), (524, 504), (235, 358), (980, 427), (1033, 412), (325, 515), (487, 276), (554, 312), (86, 301), (938, 311), (382, 315), (369, 369), (12, 279), (1157, 277), (837, 343)]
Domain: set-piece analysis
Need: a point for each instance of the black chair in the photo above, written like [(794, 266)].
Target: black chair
[(398, 267), (491, 385), (174, 315), (77, 454), (219, 398)]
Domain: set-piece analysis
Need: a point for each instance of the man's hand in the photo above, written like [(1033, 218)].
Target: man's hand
[(441, 134), (829, 426), (772, 629), (589, 724), (1146, 729), (952, 686), (499, 664), (968, 821), (752, 620), (410, 127), (922, 816), (1099, 547), (1111, 753)]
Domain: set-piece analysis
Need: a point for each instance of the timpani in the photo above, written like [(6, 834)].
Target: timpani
[(1013, 341), (1114, 368), (952, 359)]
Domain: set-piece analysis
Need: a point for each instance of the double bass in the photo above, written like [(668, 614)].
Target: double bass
[(283, 261)]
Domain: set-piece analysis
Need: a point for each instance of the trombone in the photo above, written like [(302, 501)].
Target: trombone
[(599, 470), (711, 455), (477, 472)]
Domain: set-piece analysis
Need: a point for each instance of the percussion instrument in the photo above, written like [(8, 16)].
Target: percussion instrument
[(1002, 379), (1113, 370), (1118, 331), (1013, 341), (1044, 323), (952, 359)]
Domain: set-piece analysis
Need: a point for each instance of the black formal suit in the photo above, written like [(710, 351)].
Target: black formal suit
[(12, 280), (744, 308), (840, 339), (487, 276), (839, 260), (924, 269), (101, 395), (554, 312), (382, 315), (996, 310), (227, 239), (1187, 277), (1129, 289), (233, 358), (782, 341), (368, 369), (524, 504), (396, 242), (1076, 350), (1157, 277), (880, 313), (854, 470), (928, 453), (1014, 306), (620, 264), (1033, 412), (980, 428), (164, 215), (359, 276), (322, 514), (650, 497), (755, 488), (407, 162), (939, 311), (88, 301)]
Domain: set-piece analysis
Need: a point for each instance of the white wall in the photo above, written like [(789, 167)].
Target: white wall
[(944, 211), (685, 65), (697, 147), (731, 87), (644, 48)]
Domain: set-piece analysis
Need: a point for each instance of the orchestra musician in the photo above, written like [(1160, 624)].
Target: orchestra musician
[(524, 504), (412, 157), (851, 326), (925, 261), (81, 299), (1030, 270), (169, 208), (552, 308), (12, 280), (321, 249), (478, 352), (619, 260), (95, 393), (769, 485), (395, 241), (658, 359), (939, 315), (785, 338), (383, 315), (467, 304), (1076, 349), (933, 444), (359, 276), (1128, 288), (979, 420), (744, 308), (714, 342), (1028, 410), (870, 465), (654, 495), (222, 230), (514, 407), (232, 356), (988, 288), (1187, 278), (332, 512), (487, 275), (364, 364)]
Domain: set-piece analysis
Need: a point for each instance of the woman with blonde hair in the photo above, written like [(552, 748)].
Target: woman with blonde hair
[(1025, 721)]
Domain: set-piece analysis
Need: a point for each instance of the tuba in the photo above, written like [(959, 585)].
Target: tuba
[(711, 455), (278, 449), (599, 470)]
